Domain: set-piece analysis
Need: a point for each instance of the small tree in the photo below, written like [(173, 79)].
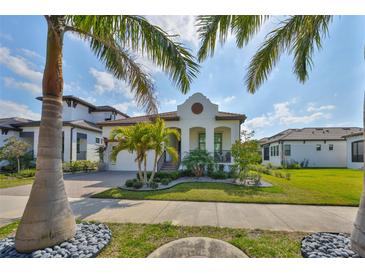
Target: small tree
[(245, 153), (14, 149), (134, 139), (160, 142), (197, 161)]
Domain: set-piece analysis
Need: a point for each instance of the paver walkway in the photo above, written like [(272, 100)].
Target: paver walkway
[(261, 216)]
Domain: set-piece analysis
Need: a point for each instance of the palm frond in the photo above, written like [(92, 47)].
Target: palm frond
[(298, 35), (123, 66), (208, 28), (308, 36), (136, 33)]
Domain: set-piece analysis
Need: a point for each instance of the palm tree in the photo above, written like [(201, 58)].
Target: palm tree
[(160, 142), (296, 35), (132, 139), (48, 219)]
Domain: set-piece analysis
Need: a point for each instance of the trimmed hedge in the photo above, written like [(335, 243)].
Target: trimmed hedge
[(80, 165)]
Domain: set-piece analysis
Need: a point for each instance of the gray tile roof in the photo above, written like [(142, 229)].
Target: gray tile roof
[(168, 116), (12, 122), (312, 133), (74, 123)]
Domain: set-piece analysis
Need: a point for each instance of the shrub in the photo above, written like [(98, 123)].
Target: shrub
[(80, 165), (26, 173), (165, 181), (197, 161), (287, 176), (137, 184), (9, 169), (185, 173), (219, 175), (157, 179), (153, 185), (269, 166), (130, 182)]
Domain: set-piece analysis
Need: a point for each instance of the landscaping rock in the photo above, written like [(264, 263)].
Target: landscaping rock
[(327, 245), (89, 240)]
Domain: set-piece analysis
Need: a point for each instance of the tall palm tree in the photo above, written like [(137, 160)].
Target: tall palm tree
[(160, 142), (48, 219), (296, 35)]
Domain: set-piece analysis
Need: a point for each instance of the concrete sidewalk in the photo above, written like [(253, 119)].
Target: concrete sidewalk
[(260, 216)]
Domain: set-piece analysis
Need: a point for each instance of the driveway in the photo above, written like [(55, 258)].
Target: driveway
[(80, 184)]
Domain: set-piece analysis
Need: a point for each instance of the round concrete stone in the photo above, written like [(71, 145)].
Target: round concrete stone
[(197, 247)]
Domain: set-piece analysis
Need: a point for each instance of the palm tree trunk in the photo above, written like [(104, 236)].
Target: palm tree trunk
[(358, 233), (154, 168), (145, 169), (47, 219), (139, 162), (18, 161)]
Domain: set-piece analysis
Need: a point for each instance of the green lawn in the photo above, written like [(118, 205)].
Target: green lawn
[(9, 181), (139, 240), (307, 186)]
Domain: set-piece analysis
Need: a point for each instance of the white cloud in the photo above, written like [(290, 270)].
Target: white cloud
[(31, 54), (19, 66), (284, 115), (169, 102), (183, 25), (6, 36), (36, 89), (105, 82), (123, 107), (12, 109), (138, 113), (229, 99), (312, 107)]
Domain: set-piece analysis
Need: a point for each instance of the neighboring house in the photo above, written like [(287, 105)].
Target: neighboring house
[(310, 147), (201, 125), (80, 134), (355, 150)]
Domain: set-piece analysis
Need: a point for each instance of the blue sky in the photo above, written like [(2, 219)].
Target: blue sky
[(331, 97)]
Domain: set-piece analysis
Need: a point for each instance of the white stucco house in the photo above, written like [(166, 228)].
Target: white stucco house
[(80, 134), (355, 150), (315, 147), (200, 124)]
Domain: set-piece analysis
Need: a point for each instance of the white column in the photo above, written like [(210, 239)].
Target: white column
[(209, 141), (185, 141)]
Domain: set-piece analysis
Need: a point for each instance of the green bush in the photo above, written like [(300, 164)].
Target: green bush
[(80, 165), (165, 181), (137, 184), (219, 175), (254, 176), (26, 173), (185, 173), (9, 169), (130, 182), (288, 176), (197, 161), (161, 175), (153, 185)]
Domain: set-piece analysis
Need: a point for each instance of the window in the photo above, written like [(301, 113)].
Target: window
[(357, 151), (318, 147), (218, 142), (201, 144), (274, 150), (266, 153), (97, 140), (330, 147), (287, 150)]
